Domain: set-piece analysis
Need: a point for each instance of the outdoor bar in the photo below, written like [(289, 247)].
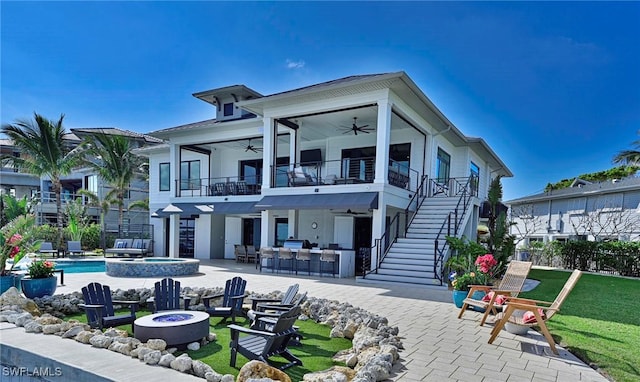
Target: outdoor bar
[(344, 263)]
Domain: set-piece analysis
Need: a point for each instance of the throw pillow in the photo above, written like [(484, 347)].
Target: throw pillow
[(139, 244), (500, 300), (530, 317), (120, 244)]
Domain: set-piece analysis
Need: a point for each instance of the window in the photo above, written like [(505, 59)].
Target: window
[(474, 172), (165, 177), (399, 157), (190, 175), (282, 231), (358, 163), (443, 166), (91, 183), (228, 109)]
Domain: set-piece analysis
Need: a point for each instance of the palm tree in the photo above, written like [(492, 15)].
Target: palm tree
[(43, 152), (629, 157), (103, 205), (111, 157)]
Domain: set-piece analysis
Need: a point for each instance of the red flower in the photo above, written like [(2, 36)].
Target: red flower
[(486, 262), (13, 239), (14, 251), (48, 264)]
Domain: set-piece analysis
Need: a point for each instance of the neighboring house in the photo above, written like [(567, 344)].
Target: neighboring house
[(21, 184), (332, 163), (590, 211)]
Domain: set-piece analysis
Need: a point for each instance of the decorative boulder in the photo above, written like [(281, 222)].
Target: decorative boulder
[(256, 370)]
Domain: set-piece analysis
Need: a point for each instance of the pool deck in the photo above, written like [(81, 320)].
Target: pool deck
[(438, 346)]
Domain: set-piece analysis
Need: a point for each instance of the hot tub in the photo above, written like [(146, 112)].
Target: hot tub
[(151, 267)]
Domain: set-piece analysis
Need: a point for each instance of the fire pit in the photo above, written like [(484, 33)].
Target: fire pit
[(176, 327)]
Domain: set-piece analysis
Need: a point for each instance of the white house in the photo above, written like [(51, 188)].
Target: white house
[(590, 211), (349, 163)]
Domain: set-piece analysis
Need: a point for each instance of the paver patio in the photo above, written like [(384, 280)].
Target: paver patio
[(438, 346)]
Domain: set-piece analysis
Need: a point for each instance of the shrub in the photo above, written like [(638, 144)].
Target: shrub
[(91, 236)]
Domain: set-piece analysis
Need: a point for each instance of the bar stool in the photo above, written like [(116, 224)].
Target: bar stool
[(267, 254), (286, 255), (304, 254), (328, 256)]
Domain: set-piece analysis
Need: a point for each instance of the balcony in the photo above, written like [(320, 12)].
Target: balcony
[(221, 186)]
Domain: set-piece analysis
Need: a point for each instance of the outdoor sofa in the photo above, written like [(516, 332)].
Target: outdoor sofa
[(131, 247)]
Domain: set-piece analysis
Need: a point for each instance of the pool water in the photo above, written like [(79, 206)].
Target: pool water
[(82, 266)]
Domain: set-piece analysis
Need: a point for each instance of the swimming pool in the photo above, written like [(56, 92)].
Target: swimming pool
[(80, 266)]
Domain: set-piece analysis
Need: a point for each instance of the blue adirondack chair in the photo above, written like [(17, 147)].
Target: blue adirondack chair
[(263, 344), (167, 296), (98, 307), (232, 300)]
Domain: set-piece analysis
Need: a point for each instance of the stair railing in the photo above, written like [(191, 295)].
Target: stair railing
[(452, 223), (381, 246), (417, 200)]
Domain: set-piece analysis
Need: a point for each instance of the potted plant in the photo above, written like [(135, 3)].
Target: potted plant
[(481, 275), (17, 240), (41, 281)]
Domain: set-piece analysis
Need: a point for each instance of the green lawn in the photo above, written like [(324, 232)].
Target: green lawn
[(599, 322), (316, 350)]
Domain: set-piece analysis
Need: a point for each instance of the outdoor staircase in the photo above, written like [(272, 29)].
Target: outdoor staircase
[(410, 260)]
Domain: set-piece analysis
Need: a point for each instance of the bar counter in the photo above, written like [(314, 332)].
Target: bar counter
[(345, 259)]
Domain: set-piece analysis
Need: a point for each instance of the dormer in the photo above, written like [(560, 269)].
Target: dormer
[(226, 99)]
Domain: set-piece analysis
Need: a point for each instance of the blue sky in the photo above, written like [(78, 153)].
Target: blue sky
[(554, 87)]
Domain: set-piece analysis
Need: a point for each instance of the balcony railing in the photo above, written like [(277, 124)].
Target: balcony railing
[(344, 171), (221, 186)]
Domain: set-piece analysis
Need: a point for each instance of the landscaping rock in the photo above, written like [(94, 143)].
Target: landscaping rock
[(85, 336), (153, 357), (74, 331), (194, 346), (51, 329), (157, 344), (166, 360), (47, 319), (33, 327), (255, 369), (200, 369), (120, 347), (14, 298), (100, 341), (334, 374), (141, 351), (182, 363), (212, 337), (22, 318)]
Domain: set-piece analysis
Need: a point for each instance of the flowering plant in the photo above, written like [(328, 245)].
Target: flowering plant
[(16, 238), (485, 266), (41, 269)]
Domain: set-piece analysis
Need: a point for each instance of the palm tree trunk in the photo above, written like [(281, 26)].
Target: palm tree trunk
[(57, 189)]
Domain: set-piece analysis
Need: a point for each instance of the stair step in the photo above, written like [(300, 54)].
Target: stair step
[(402, 279), (409, 264), (403, 256)]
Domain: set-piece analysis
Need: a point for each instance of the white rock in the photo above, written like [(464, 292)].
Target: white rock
[(153, 357), (100, 341), (157, 344), (182, 363), (32, 327), (166, 360), (51, 329), (194, 346)]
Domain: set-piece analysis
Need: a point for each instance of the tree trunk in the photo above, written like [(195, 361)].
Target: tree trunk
[(57, 189)]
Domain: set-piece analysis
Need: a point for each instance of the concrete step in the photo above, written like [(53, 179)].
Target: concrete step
[(401, 279)]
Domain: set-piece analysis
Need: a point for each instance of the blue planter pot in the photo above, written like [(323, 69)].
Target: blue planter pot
[(459, 296), (39, 287), (6, 282)]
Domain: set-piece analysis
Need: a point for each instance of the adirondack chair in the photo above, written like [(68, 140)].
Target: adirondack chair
[(98, 307), (232, 300), (263, 344), (167, 296), (287, 298), (265, 317), (537, 312), (510, 285)]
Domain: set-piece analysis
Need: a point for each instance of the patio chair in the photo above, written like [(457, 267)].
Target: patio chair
[(263, 344), (266, 315), (220, 189), (537, 313), (510, 285), (287, 298), (252, 255), (240, 253), (242, 188), (232, 300), (98, 307), (167, 296), (47, 248), (74, 248)]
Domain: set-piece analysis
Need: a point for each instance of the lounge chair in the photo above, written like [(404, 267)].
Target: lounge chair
[(167, 296), (47, 248), (263, 344), (74, 248), (537, 313), (510, 285), (98, 307), (232, 300)]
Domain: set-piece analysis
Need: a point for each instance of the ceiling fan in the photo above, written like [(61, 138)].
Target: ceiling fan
[(251, 147), (355, 128)]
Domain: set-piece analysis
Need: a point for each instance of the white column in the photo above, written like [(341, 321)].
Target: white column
[(378, 226), (267, 228), (174, 235), (294, 147), (383, 138), (174, 158), (269, 146)]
